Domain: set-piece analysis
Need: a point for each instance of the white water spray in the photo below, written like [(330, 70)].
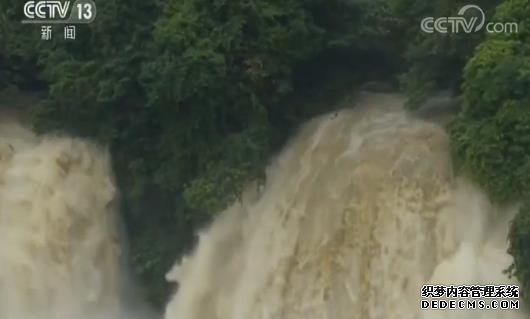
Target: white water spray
[(358, 212), (59, 245)]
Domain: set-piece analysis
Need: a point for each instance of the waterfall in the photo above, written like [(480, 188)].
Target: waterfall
[(359, 211), (59, 241)]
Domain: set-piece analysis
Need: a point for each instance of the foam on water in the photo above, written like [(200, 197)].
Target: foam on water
[(359, 211), (59, 243)]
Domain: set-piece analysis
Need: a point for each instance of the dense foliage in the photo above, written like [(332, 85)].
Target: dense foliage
[(519, 248), (491, 137), (435, 61)]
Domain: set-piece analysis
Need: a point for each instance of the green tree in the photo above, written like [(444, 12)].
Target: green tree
[(491, 137)]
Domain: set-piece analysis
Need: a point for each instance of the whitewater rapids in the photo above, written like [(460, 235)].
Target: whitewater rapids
[(59, 240), (359, 211)]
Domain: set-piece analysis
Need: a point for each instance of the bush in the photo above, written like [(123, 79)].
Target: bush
[(435, 61), (520, 249), (491, 138)]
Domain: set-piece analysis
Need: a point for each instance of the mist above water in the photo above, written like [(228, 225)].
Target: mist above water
[(60, 254), (359, 211)]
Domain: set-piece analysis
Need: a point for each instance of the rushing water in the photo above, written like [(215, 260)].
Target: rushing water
[(59, 239), (358, 212)]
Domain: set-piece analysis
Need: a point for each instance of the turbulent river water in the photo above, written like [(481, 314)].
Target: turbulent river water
[(359, 211), (60, 247)]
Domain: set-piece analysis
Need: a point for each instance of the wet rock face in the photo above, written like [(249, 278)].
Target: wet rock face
[(441, 108), (378, 87)]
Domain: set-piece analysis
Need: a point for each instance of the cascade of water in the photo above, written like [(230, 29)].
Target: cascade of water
[(359, 211)]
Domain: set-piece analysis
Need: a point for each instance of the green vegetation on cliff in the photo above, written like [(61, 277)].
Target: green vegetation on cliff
[(491, 136)]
